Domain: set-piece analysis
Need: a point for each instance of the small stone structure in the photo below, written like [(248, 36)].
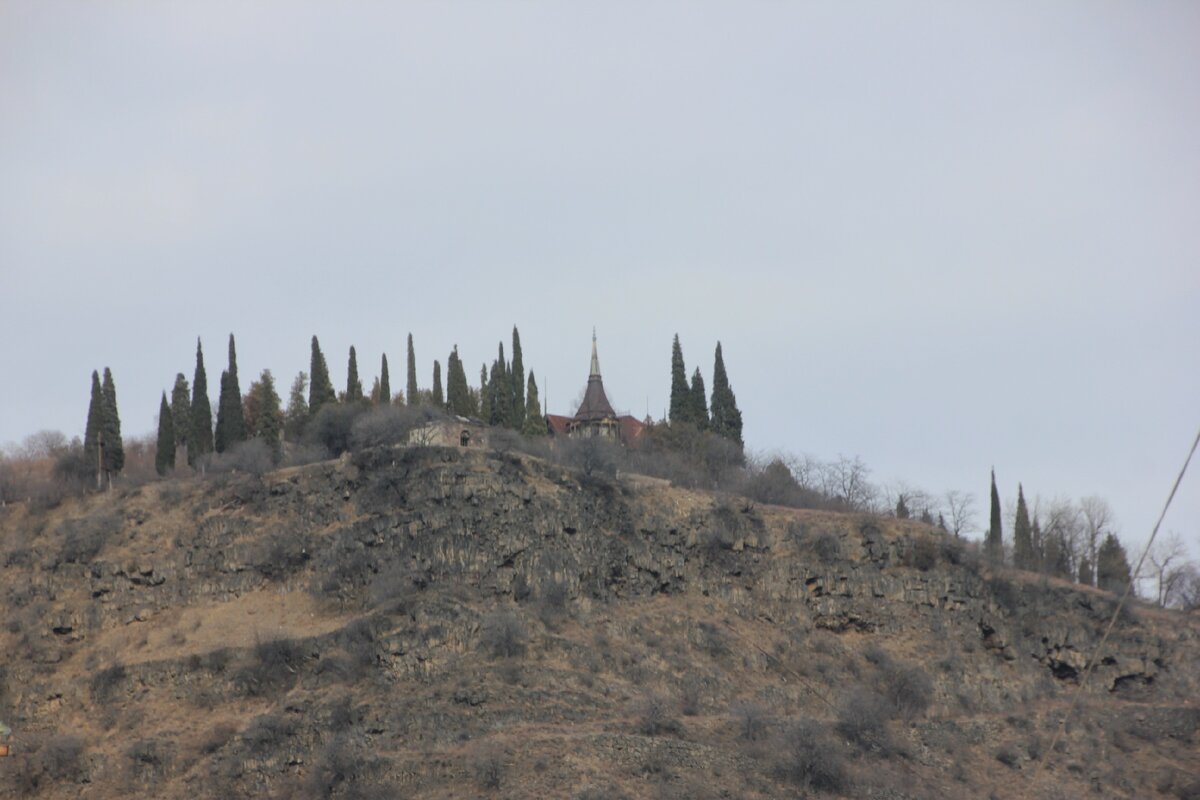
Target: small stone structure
[(451, 432)]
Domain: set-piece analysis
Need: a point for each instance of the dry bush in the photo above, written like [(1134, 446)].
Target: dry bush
[(105, 682), (271, 669), (827, 547), (266, 734), (655, 717), (921, 554), (504, 635), (62, 758), (488, 767), (907, 689), (810, 757), (753, 721), (862, 718), (84, 537)]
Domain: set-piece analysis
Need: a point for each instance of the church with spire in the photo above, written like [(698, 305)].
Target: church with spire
[(595, 416)]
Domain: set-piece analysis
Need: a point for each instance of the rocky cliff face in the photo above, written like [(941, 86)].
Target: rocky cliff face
[(439, 623)]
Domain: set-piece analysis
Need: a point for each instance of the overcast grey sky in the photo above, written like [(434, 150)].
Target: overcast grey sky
[(940, 236)]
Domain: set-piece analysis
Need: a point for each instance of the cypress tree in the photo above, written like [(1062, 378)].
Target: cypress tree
[(535, 423), (164, 450), (458, 393), (517, 379), (485, 395), (354, 390), (320, 388), (498, 394), (297, 409), (681, 405), (1112, 566), (941, 523), (270, 421), (1023, 553), (902, 511), (94, 432), (726, 418), (231, 421), (181, 412), (385, 383), (439, 401), (114, 448), (200, 442), (698, 401), (993, 543), (411, 392)]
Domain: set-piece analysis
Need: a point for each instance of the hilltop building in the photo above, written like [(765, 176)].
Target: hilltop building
[(596, 416)]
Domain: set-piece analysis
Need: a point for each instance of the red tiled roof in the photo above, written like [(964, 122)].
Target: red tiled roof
[(632, 429), (558, 424)]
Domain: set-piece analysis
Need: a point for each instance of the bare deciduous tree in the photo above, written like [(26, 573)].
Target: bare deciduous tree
[(846, 480), (1097, 521), (961, 507), (1165, 567)]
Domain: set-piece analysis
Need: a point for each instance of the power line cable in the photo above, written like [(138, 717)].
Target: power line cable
[(1091, 663)]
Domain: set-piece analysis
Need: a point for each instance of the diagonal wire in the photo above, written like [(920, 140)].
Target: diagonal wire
[(1116, 613)]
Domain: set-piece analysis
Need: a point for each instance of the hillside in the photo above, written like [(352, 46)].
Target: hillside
[(438, 623)]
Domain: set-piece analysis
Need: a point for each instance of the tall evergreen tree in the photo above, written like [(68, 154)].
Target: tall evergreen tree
[(458, 393), (699, 401), (902, 511), (1023, 553), (385, 383), (485, 395), (726, 418), (993, 543), (411, 393), (93, 435), (181, 412), (164, 449), (439, 400), (320, 387), (535, 423), (114, 447), (1112, 566), (517, 380), (354, 390), (231, 421), (498, 395), (200, 442), (297, 414), (681, 405), (270, 420)]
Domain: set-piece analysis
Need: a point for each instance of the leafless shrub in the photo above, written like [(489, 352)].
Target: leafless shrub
[(84, 537), (271, 669), (809, 757), (921, 554), (862, 719), (504, 635), (827, 546), (691, 695), (62, 758), (753, 721), (655, 718), (253, 457), (217, 738), (148, 760), (487, 763), (105, 682), (907, 689), (266, 733)]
